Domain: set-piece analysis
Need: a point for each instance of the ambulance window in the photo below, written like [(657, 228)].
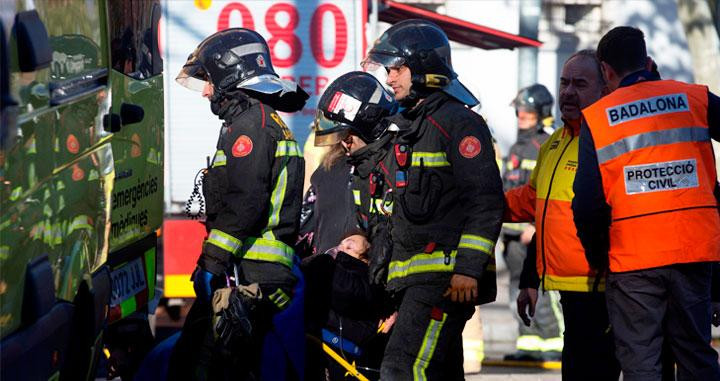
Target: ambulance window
[(134, 37)]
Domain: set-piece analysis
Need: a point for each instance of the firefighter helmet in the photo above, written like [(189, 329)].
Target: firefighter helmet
[(535, 98), (236, 58), (424, 48), (354, 103)]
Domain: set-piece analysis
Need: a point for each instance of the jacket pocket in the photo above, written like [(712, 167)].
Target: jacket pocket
[(215, 184), (423, 194)]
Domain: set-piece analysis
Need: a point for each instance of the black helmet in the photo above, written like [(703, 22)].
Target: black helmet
[(424, 48), (535, 98), (355, 102), (236, 58)]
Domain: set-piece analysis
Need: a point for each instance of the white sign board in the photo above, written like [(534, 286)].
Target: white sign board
[(311, 42)]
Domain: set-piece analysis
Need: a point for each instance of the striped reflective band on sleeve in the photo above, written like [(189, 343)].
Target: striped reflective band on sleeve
[(220, 159), (430, 159), (432, 334), (356, 197), (279, 298), (268, 250), (475, 242), (4, 252), (422, 263), (287, 148), (224, 241), (79, 222), (651, 139)]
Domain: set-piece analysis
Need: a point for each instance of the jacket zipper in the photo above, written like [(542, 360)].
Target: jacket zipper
[(542, 221)]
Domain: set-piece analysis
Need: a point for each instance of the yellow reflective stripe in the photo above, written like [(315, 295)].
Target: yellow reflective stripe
[(557, 311), (79, 222), (529, 343), (379, 206), (287, 148), (528, 164), (220, 159), (224, 241), (422, 263), (268, 250), (432, 334), (276, 199), (31, 147), (15, 194), (552, 344), (4, 252), (279, 298), (429, 159), (356, 197), (476, 242)]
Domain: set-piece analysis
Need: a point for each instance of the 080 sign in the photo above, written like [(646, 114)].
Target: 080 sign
[(287, 33)]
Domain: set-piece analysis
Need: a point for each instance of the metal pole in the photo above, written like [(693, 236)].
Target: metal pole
[(527, 57)]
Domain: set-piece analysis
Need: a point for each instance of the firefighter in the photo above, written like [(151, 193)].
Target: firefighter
[(447, 205), (646, 208), (541, 341), (557, 262), (252, 190)]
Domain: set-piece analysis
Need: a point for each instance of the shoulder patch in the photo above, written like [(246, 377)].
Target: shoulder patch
[(72, 144), (469, 147), (242, 146)]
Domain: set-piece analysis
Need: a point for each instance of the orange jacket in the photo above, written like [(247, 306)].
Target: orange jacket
[(546, 200), (658, 174)]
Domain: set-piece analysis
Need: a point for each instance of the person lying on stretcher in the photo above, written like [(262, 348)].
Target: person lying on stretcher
[(343, 309)]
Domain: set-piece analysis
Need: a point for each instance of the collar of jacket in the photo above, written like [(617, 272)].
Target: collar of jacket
[(367, 157), (572, 125), (413, 118), (525, 135), (639, 76), (228, 105)]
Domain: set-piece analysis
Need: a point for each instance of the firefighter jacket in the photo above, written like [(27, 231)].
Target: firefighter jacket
[(253, 188), (448, 200), (519, 164), (655, 165), (546, 200)]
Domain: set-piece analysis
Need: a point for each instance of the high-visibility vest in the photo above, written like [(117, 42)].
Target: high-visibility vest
[(658, 174)]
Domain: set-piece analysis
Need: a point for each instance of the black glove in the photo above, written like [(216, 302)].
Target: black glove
[(233, 326)]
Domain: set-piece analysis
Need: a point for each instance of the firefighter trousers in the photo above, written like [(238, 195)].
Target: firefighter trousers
[(426, 341), (589, 351), (665, 304)]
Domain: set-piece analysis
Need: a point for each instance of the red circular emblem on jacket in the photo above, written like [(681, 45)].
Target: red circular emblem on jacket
[(72, 144), (242, 147), (77, 173), (469, 147)]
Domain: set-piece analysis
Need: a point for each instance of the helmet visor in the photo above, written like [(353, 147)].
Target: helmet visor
[(328, 132), (375, 60), (192, 75)]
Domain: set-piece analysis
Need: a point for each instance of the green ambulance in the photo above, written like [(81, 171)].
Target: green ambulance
[(81, 184)]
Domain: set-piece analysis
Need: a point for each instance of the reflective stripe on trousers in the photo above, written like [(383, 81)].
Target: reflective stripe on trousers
[(427, 348)]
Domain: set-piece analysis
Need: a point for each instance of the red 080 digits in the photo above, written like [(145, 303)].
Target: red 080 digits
[(287, 33)]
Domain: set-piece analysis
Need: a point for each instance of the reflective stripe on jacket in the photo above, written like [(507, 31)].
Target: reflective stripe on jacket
[(658, 174)]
